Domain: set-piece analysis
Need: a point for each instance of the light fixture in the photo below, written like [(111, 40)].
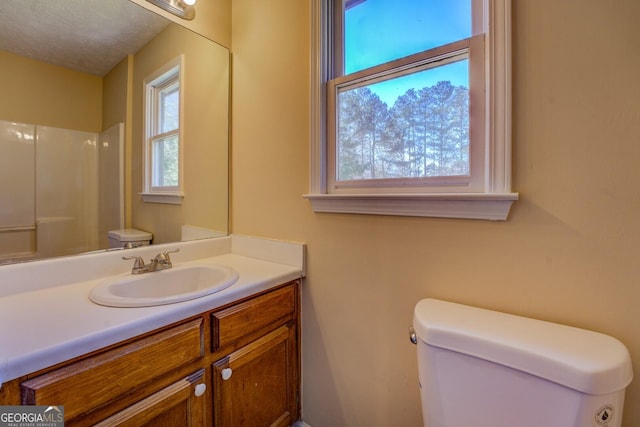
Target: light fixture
[(183, 8)]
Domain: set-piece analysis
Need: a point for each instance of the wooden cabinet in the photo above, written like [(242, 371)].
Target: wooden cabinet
[(89, 387), (237, 365), (256, 385)]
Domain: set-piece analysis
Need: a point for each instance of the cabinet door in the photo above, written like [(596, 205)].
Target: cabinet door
[(181, 404), (255, 385)]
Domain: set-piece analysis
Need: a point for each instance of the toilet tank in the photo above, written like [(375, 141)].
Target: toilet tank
[(129, 237), (483, 368)]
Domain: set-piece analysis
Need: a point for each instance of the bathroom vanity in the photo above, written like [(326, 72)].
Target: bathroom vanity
[(230, 358)]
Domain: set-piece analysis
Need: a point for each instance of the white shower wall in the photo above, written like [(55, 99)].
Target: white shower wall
[(17, 190), (57, 212), (66, 191)]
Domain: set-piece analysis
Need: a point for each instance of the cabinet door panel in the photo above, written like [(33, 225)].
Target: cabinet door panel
[(174, 406), (259, 388)]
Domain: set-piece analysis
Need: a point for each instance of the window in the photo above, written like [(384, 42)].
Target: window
[(411, 108), (163, 135)]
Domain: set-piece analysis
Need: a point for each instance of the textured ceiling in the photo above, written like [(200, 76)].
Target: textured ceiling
[(91, 36)]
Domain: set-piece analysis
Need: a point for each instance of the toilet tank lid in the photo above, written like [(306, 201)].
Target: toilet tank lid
[(583, 360), (130, 235)]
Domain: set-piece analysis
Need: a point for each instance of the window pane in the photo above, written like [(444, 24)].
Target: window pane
[(169, 109), (413, 126), (165, 162), (378, 31)]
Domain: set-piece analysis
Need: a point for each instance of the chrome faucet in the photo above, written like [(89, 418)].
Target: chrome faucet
[(162, 261)]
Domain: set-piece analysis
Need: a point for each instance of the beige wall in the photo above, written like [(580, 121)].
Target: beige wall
[(117, 108), (568, 253), (116, 94), (44, 94)]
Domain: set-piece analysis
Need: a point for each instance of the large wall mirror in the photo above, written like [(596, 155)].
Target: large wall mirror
[(72, 127)]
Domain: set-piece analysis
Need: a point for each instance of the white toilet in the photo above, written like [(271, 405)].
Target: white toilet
[(481, 368), (129, 238)]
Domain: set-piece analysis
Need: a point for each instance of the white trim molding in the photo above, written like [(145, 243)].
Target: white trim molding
[(490, 206), (169, 198), (170, 73)]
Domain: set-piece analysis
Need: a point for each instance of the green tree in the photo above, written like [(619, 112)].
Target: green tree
[(425, 133), (361, 126)]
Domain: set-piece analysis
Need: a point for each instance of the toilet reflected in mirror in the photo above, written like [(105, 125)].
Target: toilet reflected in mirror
[(128, 238)]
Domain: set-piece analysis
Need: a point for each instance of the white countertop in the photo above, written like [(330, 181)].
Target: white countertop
[(46, 322)]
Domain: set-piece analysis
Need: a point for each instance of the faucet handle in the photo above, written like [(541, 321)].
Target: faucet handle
[(166, 256), (166, 253), (163, 259), (138, 264)]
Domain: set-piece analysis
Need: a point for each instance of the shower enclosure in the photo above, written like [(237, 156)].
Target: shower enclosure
[(61, 190)]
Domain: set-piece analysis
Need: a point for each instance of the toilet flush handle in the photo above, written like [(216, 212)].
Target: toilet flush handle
[(412, 335)]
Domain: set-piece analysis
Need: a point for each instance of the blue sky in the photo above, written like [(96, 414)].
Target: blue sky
[(377, 31)]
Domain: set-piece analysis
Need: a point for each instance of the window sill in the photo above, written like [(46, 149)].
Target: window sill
[(488, 206), (172, 199)]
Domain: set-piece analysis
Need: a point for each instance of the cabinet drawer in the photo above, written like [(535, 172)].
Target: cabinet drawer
[(97, 380), (248, 317)]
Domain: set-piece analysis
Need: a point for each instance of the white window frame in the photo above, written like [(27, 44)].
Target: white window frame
[(491, 200), (153, 84)]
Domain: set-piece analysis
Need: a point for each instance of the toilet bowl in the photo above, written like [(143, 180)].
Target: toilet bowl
[(483, 368)]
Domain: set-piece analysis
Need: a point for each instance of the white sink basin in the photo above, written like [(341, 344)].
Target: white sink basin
[(169, 286)]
